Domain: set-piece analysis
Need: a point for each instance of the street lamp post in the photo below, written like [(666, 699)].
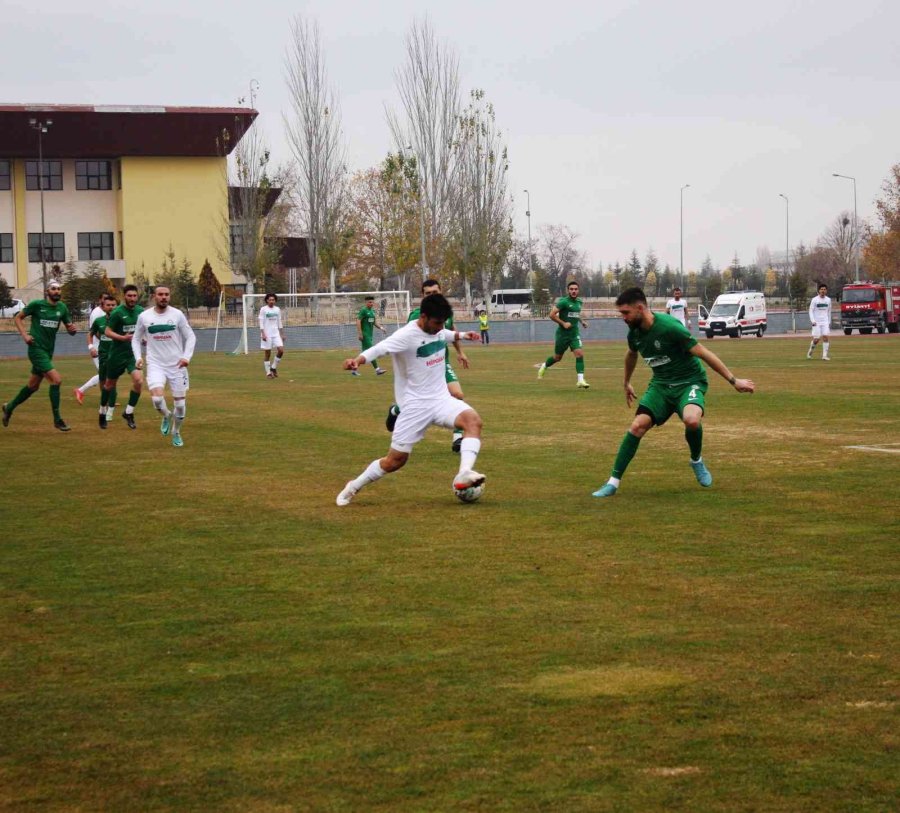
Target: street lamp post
[(421, 213), (530, 253), (41, 127), (854, 235), (787, 233), (681, 250)]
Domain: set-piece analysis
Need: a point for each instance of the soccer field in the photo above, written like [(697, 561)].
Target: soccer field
[(204, 629)]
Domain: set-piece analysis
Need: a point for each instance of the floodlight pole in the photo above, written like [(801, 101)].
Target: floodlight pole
[(681, 250), (41, 127), (787, 232), (530, 253), (854, 235)]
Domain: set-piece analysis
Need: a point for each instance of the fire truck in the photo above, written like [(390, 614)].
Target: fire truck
[(868, 306)]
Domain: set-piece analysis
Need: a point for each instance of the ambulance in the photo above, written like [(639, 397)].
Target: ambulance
[(735, 314)]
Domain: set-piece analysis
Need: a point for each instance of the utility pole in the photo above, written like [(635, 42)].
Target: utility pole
[(41, 127)]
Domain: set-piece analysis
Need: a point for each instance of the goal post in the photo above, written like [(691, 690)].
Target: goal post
[(321, 321)]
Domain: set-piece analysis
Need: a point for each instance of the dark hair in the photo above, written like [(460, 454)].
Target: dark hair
[(631, 296), (572, 282), (436, 306), (130, 287), (107, 296), (676, 288), (430, 283), (822, 285), (370, 299), (266, 297)]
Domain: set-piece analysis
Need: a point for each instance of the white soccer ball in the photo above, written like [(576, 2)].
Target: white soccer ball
[(470, 494)]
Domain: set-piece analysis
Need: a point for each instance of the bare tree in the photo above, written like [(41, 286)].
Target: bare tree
[(428, 84), (559, 255), (841, 238), (314, 133)]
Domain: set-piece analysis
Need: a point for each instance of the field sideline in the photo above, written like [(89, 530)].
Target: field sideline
[(203, 629)]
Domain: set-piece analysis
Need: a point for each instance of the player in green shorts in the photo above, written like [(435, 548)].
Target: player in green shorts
[(119, 327), (432, 286), (98, 329), (678, 384), (46, 316), (567, 314), (366, 322)]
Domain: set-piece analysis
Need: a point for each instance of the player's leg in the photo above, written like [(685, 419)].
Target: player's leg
[(815, 340), (825, 330), (113, 392), (455, 389), (393, 461), (33, 385), (54, 379), (578, 352), (93, 381), (133, 397), (265, 346), (691, 404), (104, 395), (156, 383), (558, 349), (649, 408), (279, 352), (469, 422), (179, 384)]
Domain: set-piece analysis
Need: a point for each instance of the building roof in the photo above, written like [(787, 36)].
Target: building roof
[(113, 131)]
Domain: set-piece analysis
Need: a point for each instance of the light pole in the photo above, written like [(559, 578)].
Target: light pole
[(681, 251), (530, 253), (41, 127), (787, 233), (853, 235), (421, 213)]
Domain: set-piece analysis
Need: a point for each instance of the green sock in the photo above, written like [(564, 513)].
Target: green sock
[(550, 361), (113, 395), (104, 396), (579, 365), (54, 401), (375, 364), (133, 398), (694, 437), (627, 449), (23, 395)]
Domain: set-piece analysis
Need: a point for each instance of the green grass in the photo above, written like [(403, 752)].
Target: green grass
[(203, 629)]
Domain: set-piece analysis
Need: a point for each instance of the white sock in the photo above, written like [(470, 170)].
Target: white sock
[(614, 481), (468, 453), (180, 410), (268, 366), (129, 410), (91, 382), (372, 473), (580, 377), (824, 349), (275, 362), (159, 401), (812, 346)]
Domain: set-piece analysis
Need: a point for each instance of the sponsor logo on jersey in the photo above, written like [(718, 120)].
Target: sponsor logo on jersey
[(657, 361), (169, 326), (50, 323)]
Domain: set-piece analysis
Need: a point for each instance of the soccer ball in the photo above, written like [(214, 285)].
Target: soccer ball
[(470, 494)]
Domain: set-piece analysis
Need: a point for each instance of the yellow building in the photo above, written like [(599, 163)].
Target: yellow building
[(120, 185)]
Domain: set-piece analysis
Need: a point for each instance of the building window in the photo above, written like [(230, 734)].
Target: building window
[(5, 175), (52, 171), (6, 248), (237, 243), (54, 247), (93, 175), (95, 245)]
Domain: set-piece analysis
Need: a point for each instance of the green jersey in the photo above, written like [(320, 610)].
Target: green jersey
[(366, 318), (122, 320), (666, 349), (569, 311), (98, 329), (45, 321)]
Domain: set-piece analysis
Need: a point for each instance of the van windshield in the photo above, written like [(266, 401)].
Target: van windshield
[(720, 309)]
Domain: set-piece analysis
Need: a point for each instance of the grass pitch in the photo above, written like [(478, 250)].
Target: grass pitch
[(203, 629)]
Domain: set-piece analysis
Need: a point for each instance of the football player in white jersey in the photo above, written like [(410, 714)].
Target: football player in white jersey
[(678, 308), (170, 345), (94, 350), (418, 350), (271, 334), (820, 317)]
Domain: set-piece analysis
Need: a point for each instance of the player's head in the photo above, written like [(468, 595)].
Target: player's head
[(271, 299), (431, 286), (823, 289), (572, 288), (107, 302), (130, 292), (632, 305), (54, 290), (161, 296), (370, 300), (434, 311), (676, 292)]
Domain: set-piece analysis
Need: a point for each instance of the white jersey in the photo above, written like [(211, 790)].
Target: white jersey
[(418, 361), (678, 308), (270, 321), (96, 313), (169, 337), (820, 310)]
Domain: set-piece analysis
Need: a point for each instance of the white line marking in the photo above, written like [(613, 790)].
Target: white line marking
[(883, 448)]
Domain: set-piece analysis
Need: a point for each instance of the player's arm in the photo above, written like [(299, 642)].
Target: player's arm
[(631, 358), (460, 353), (90, 340), (189, 342), (359, 324), (136, 346), (715, 363), (67, 321), (554, 317), (119, 337), (454, 336), (392, 344), (20, 324), (812, 312)]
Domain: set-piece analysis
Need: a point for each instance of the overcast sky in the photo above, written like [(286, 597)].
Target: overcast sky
[(608, 108)]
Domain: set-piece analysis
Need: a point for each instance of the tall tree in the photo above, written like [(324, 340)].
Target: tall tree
[(559, 255), (314, 134), (882, 252), (209, 288), (651, 266), (5, 294), (634, 267)]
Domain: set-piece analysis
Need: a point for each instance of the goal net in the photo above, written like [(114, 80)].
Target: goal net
[(321, 321)]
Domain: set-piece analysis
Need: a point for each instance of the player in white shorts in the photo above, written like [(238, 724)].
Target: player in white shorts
[(271, 334), (820, 317), (418, 350), (678, 308), (170, 345), (94, 350)]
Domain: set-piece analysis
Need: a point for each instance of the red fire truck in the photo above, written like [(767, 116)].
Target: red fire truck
[(868, 306)]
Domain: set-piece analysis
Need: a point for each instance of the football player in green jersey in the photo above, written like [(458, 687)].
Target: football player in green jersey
[(46, 316), (678, 384), (366, 322), (98, 329), (567, 314), (119, 327)]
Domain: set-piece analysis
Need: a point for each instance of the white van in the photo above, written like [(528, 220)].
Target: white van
[(734, 314), (514, 302)]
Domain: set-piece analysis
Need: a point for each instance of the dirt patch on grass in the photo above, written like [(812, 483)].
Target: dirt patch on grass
[(610, 681), (680, 770)]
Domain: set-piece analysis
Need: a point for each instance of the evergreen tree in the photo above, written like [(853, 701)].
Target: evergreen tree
[(5, 295), (209, 286)]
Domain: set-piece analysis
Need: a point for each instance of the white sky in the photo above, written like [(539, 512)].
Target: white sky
[(608, 107)]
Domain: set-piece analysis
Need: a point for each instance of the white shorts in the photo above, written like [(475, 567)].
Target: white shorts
[(820, 331), (416, 416), (273, 342), (175, 377)]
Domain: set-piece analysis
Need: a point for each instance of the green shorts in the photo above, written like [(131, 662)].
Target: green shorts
[(366, 342), (103, 364), (118, 367), (564, 342), (41, 360), (662, 400)]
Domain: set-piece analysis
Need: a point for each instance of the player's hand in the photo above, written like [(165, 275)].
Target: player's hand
[(583, 323), (29, 339), (464, 360), (350, 364), (72, 329), (93, 351), (566, 325), (183, 362), (139, 364), (473, 335), (744, 385), (630, 395)]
